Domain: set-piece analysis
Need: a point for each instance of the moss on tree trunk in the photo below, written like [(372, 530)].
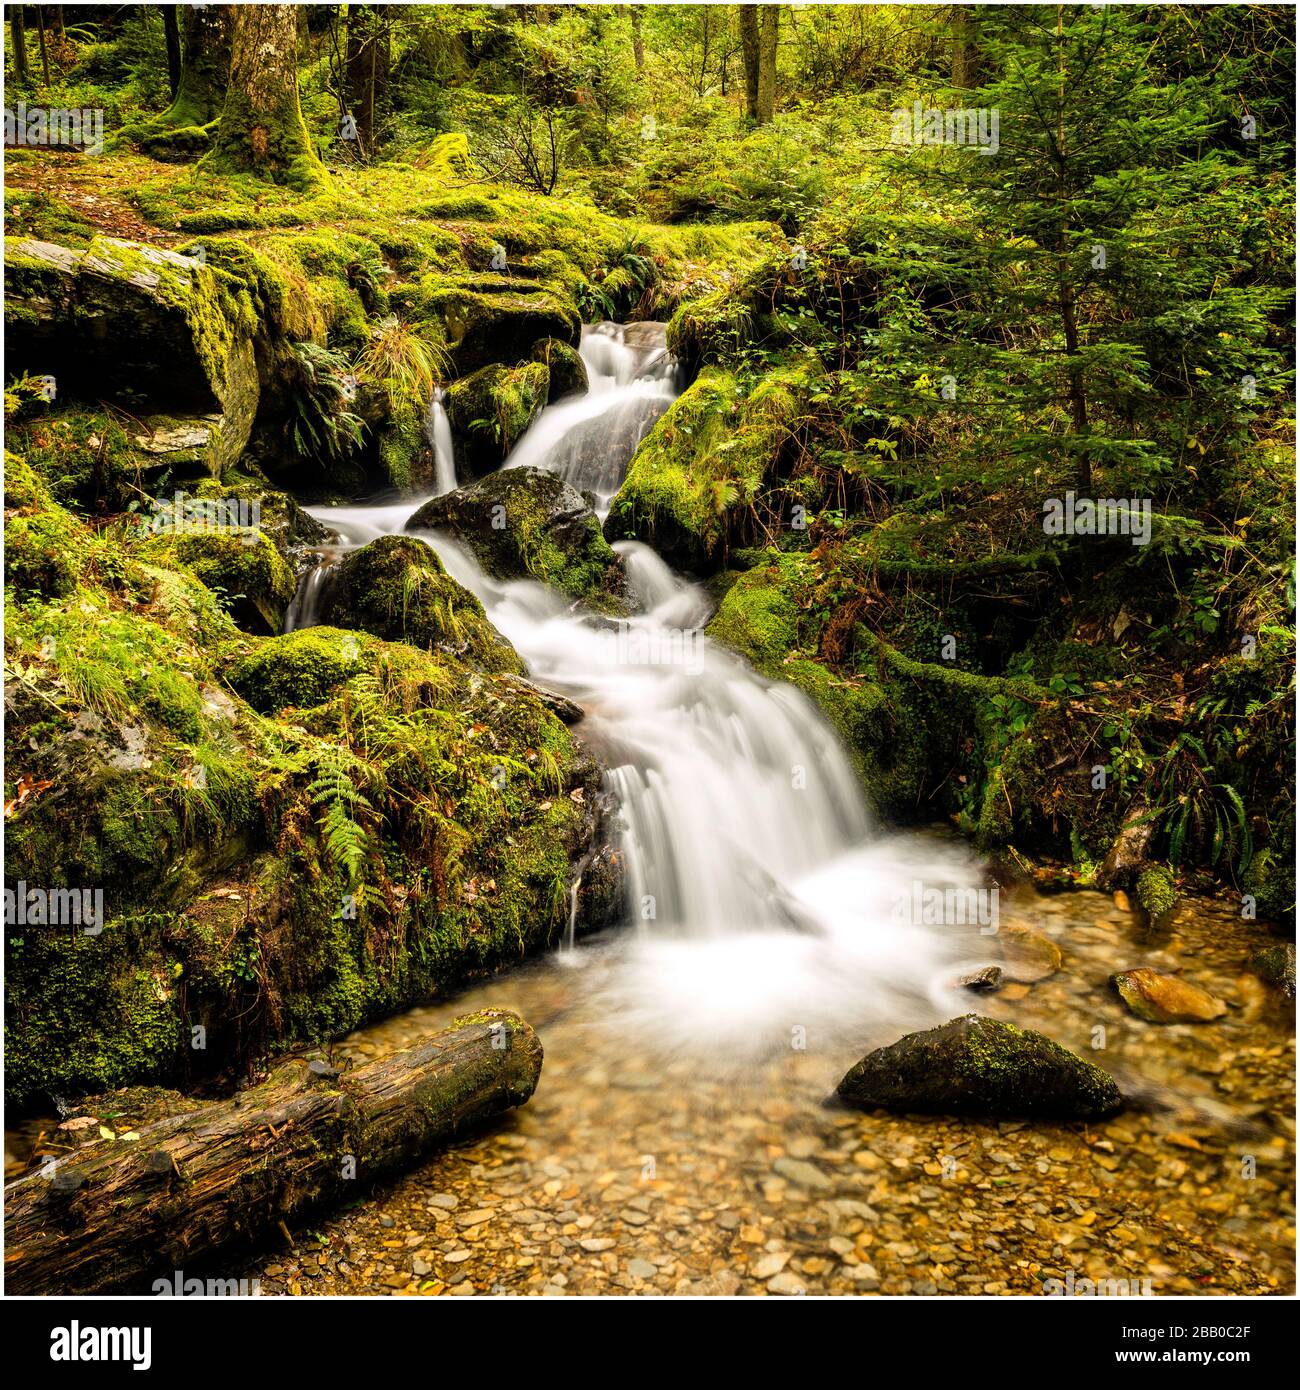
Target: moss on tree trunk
[(262, 130)]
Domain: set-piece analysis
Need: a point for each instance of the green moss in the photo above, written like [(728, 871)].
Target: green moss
[(490, 410), (396, 588), (1157, 890), (110, 1001), (245, 571), (567, 373), (298, 669), (691, 488), (493, 318)]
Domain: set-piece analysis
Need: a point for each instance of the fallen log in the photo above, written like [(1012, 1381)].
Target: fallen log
[(109, 1214)]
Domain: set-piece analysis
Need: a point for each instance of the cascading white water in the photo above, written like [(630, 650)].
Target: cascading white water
[(305, 607), (589, 439), (437, 431), (764, 901)]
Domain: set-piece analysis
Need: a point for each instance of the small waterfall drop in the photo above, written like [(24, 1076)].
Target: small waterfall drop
[(437, 431), (589, 440), (306, 606)]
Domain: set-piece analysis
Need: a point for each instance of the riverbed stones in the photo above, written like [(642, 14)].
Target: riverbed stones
[(1161, 998), (978, 1066), (1028, 956)]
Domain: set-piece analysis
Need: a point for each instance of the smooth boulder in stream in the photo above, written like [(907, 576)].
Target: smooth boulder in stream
[(978, 1066)]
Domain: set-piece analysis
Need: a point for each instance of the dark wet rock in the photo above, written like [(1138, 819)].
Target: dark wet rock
[(497, 318), (1275, 965), (566, 710), (527, 523), (397, 589), (1126, 856), (977, 1066), (1160, 998)]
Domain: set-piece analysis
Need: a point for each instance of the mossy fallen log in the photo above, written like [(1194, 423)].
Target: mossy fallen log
[(107, 1215)]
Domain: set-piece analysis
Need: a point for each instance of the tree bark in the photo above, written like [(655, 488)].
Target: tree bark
[(964, 29), (767, 39), (367, 66), (18, 42), (261, 129), (172, 35), (638, 42), (749, 49), (204, 65), (111, 1214)]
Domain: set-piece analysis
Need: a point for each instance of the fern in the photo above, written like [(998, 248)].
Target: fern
[(345, 839)]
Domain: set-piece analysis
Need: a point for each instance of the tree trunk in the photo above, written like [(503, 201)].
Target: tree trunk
[(367, 66), (204, 65), (638, 43), (18, 42), (767, 38), (109, 1215), (262, 130), (172, 34), (749, 48), (964, 29), (45, 53)]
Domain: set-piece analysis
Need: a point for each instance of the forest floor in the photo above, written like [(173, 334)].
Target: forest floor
[(635, 1172)]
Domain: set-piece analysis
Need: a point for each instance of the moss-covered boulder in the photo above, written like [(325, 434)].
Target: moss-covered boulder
[(245, 570), (977, 1066), (490, 410), (120, 320), (1160, 998), (44, 545), (299, 669), (691, 486), (397, 589), (567, 372), (526, 523), (495, 318)]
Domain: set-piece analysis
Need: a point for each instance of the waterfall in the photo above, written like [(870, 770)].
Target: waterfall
[(306, 605), (590, 439), (437, 431), (757, 884)]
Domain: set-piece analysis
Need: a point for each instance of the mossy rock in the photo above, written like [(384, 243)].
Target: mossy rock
[(567, 371), (495, 318), (246, 571), (298, 669), (140, 324), (396, 588), (1275, 965), (1157, 890), (45, 547), (690, 487), (527, 523), (977, 1066), (490, 410)]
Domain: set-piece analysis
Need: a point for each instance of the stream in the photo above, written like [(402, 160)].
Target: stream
[(679, 1141)]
